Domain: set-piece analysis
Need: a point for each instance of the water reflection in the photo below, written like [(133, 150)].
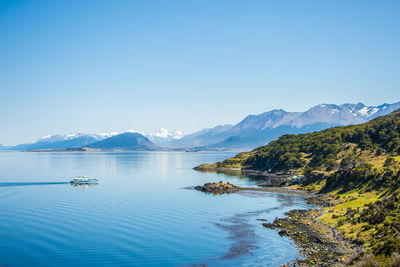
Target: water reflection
[(82, 186)]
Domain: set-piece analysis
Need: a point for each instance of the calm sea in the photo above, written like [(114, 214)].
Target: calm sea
[(140, 213)]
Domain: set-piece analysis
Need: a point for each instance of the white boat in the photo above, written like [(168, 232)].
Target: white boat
[(84, 180)]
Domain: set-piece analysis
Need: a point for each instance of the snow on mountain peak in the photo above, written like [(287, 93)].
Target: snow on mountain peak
[(106, 135), (164, 133), (178, 134), (373, 111), (368, 111), (134, 131), (363, 111), (62, 137)]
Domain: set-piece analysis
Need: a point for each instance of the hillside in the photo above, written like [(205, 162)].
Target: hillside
[(358, 166), (126, 141)]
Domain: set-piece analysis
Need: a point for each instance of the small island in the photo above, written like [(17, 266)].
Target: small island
[(227, 188), (218, 188)]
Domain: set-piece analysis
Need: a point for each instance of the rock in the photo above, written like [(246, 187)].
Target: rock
[(283, 233), (218, 188)]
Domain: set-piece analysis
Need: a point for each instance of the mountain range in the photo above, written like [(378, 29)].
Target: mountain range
[(251, 132), (257, 130), (62, 141)]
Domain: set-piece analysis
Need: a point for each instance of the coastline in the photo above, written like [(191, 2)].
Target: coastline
[(319, 244), (273, 179), (281, 190)]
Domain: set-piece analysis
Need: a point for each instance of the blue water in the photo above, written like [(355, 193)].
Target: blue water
[(140, 213)]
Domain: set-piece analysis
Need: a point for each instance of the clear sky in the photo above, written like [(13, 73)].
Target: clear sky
[(100, 66)]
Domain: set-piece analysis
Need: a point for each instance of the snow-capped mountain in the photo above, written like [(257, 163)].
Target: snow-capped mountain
[(64, 137), (59, 141), (342, 114), (78, 140), (270, 119), (162, 135), (257, 130)]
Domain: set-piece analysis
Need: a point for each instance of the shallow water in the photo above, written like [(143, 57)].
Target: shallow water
[(138, 215)]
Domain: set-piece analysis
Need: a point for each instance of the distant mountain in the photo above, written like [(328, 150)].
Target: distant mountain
[(203, 137), (163, 136), (126, 141), (251, 132), (257, 130), (270, 119), (130, 140), (62, 141)]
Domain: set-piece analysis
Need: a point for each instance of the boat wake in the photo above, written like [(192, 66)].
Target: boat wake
[(30, 183)]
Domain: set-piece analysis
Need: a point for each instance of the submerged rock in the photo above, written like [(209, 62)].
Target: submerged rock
[(218, 188)]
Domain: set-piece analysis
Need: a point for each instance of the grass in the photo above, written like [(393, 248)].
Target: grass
[(336, 216), (314, 187)]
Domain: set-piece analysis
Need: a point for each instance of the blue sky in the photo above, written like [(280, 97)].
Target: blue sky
[(99, 66)]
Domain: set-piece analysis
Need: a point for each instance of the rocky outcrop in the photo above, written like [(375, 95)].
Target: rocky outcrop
[(218, 188)]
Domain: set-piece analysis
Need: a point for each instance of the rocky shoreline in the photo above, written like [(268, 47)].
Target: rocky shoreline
[(319, 244), (270, 179)]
